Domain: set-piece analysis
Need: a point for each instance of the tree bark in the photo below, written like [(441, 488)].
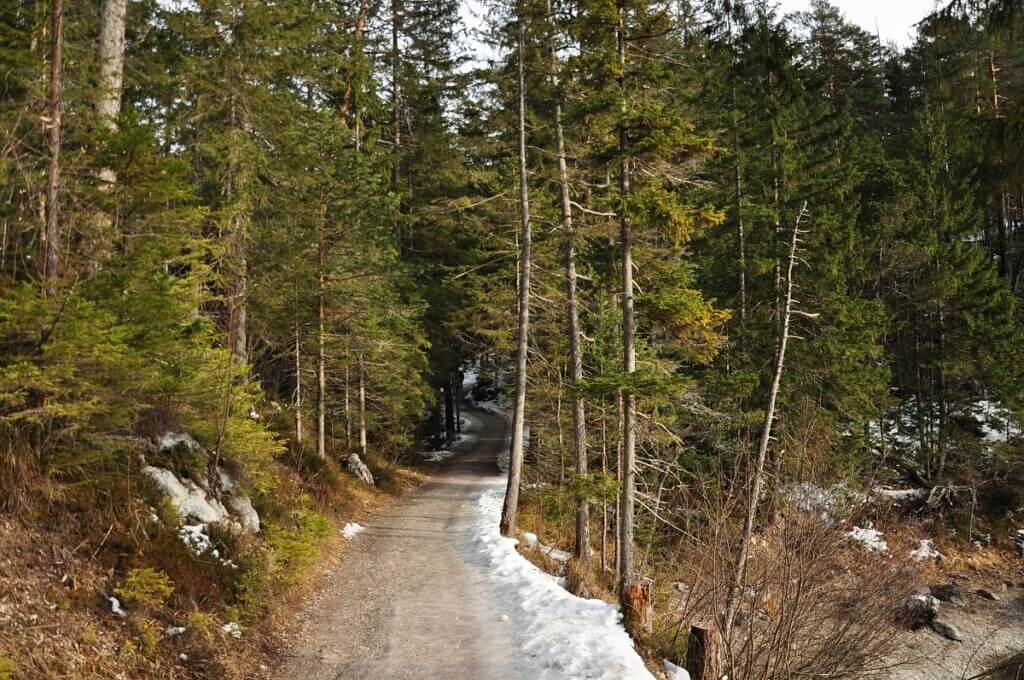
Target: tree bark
[(362, 406), (628, 491), (110, 51), (51, 256), (766, 433), (515, 469), (321, 360), (449, 413), (579, 423), (298, 388), (396, 93)]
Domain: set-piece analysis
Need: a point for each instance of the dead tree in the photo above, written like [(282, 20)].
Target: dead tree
[(766, 432)]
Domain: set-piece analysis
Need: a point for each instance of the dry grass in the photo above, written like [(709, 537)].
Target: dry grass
[(62, 560)]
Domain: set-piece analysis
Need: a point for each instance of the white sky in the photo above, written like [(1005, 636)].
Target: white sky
[(895, 19)]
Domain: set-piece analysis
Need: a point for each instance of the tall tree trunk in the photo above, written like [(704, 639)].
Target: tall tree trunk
[(396, 92), (628, 491), (362, 405), (604, 505), (766, 434), (515, 469), (348, 413), (298, 387), (741, 243), (449, 413), (321, 360), (110, 51), (51, 256), (579, 422)]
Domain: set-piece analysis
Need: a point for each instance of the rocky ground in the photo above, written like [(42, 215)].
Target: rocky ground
[(988, 620)]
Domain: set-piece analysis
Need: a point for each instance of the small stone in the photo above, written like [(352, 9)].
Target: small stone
[(947, 630), (988, 594)]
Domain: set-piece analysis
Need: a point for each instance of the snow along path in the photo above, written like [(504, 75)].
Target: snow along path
[(431, 591)]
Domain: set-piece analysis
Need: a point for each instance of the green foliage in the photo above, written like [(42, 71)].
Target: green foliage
[(145, 588), (8, 669), (595, 487)]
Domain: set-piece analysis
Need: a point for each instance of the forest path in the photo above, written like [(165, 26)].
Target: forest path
[(408, 602)]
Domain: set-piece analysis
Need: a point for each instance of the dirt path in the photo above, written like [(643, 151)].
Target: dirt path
[(407, 603)]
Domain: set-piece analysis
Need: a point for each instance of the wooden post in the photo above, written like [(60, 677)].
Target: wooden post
[(703, 653)]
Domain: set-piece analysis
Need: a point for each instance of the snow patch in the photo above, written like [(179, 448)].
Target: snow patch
[(828, 504), (675, 672), (195, 500), (174, 631), (553, 553), (870, 538), (357, 467), (352, 530), (195, 536), (925, 551), (232, 629), (438, 456), (189, 498), (115, 607), (172, 440), (901, 495), (563, 636)]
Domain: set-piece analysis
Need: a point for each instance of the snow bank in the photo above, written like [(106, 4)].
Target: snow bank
[(562, 637), (352, 530)]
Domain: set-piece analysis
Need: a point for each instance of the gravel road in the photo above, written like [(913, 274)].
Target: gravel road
[(407, 602)]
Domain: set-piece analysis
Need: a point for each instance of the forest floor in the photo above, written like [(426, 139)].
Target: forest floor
[(406, 603)]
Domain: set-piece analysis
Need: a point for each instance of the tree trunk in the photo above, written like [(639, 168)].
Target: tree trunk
[(362, 406), (449, 413), (298, 388), (321, 361), (515, 469), (396, 93), (765, 440), (579, 423), (110, 51), (348, 413), (628, 490), (51, 256)]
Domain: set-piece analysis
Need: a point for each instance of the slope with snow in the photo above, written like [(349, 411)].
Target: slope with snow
[(561, 636)]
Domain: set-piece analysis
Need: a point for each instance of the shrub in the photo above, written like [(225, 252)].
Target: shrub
[(7, 668), (148, 634), (145, 588)]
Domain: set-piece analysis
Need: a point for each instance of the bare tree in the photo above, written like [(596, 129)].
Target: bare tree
[(766, 433), (515, 469)]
